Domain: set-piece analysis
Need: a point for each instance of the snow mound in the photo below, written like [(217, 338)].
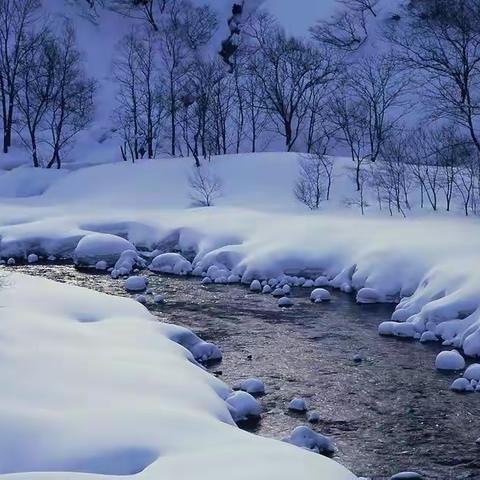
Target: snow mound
[(407, 476), (243, 406), (320, 295), (369, 295), (136, 284), (298, 405), (267, 289), (32, 258), (253, 386), (461, 385), (159, 299), (100, 247), (128, 260), (313, 417), (473, 372), (285, 302), (173, 263), (256, 286), (205, 352), (305, 437), (449, 360)]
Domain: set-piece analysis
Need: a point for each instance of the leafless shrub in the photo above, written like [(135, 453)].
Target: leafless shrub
[(205, 186)]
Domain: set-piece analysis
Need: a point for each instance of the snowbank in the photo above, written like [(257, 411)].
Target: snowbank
[(93, 387)]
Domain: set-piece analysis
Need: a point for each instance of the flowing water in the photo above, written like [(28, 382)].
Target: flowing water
[(391, 412)]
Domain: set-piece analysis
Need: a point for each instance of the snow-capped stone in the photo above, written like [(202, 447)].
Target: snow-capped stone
[(256, 286), (221, 280), (321, 281), (206, 352), (207, 281), (308, 284), (368, 295), (243, 406), (320, 295), (136, 284), (386, 328), (313, 417), (285, 302), (278, 292), (11, 261), (286, 289), (298, 405), (461, 385), (273, 282), (473, 372), (101, 265), (267, 289), (141, 299), (197, 271), (407, 476), (253, 386), (51, 258), (32, 258), (428, 336), (305, 437), (127, 262), (449, 360), (100, 246), (357, 358), (173, 263), (159, 299), (233, 279)]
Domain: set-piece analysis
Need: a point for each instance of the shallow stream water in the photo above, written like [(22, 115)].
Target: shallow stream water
[(392, 412)]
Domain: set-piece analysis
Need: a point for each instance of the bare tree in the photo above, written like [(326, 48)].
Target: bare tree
[(205, 186), (17, 20)]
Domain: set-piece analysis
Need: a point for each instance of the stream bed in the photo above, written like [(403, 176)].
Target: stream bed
[(392, 412)]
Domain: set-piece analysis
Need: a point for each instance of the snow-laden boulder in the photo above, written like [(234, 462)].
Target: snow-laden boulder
[(253, 386), (313, 417), (136, 284), (298, 405), (267, 289), (171, 263), (286, 289), (96, 247), (308, 284), (285, 302), (369, 295), (449, 360), (11, 261), (159, 299), (473, 372), (321, 281), (205, 352), (398, 329), (207, 281), (141, 299), (256, 286), (278, 292), (428, 336), (233, 278), (461, 385), (407, 476), (32, 258), (128, 260), (243, 406), (320, 295), (101, 266), (305, 437)]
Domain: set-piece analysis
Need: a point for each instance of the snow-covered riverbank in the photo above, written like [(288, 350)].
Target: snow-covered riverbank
[(92, 383), (259, 231)]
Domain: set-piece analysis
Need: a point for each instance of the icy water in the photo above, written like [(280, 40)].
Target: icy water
[(390, 413)]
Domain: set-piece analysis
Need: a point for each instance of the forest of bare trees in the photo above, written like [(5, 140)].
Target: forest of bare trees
[(407, 113)]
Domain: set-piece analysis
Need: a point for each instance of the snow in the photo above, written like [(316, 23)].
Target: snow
[(159, 298), (461, 385), (449, 360), (100, 247), (93, 386), (32, 258), (407, 476), (141, 299), (313, 417), (253, 386), (473, 372), (171, 263), (369, 295), (305, 437), (278, 292), (320, 295), (256, 286), (267, 289), (298, 405), (243, 406), (136, 284), (285, 302)]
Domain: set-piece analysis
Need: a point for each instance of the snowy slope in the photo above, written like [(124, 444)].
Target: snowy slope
[(258, 230), (94, 386)]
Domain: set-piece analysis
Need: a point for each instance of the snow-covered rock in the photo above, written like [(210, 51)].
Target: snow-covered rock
[(173, 263), (461, 385), (320, 295), (127, 262), (286, 289), (243, 406), (253, 386), (278, 292), (449, 360), (428, 337), (100, 246), (206, 352), (11, 261), (305, 437), (233, 279), (369, 295), (298, 405), (308, 283), (407, 476), (256, 286), (321, 281), (101, 265), (159, 299), (313, 417), (285, 302), (207, 281), (267, 289), (141, 299), (136, 284), (32, 258), (473, 372)]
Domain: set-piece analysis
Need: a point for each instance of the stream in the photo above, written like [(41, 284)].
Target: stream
[(392, 412)]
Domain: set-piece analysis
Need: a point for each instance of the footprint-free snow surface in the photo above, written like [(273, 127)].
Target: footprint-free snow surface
[(94, 387)]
